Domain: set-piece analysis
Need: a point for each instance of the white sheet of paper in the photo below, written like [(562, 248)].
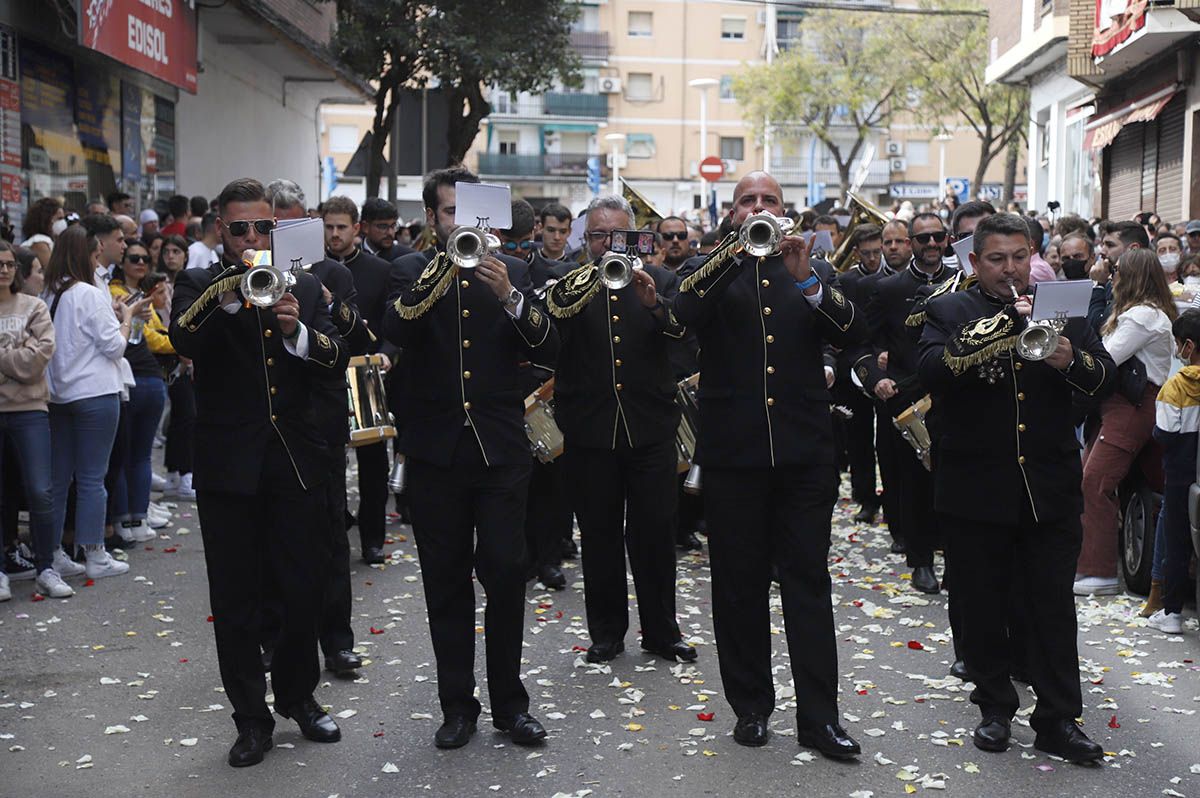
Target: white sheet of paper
[(824, 240), (487, 201), (1061, 298), (578, 228), (300, 243), (962, 248)]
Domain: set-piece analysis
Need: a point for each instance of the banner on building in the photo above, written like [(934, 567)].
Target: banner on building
[(157, 37), (11, 185)]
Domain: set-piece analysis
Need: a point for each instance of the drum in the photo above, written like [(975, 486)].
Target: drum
[(545, 438), (911, 424), (370, 421), (687, 397)]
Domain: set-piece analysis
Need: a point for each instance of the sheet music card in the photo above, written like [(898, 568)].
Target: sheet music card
[(299, 242), (962, 248), (1061, 299), (487, 201)]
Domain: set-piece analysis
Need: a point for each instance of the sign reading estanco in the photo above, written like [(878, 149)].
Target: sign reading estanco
[(157, 37)]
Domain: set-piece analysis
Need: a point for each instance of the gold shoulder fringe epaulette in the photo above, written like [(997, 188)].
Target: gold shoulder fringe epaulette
[(223, 283), (959, 282), (724, 251), (979, 341), (431, 286), (571, 294)]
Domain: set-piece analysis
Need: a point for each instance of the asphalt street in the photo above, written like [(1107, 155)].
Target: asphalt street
[(115, 692)]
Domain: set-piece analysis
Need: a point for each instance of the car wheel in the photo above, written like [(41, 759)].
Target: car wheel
[(1136, 537)]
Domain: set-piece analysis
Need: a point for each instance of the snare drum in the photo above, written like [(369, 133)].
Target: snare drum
[(370, 421), (911, 424), (686, 396), (545, 438)]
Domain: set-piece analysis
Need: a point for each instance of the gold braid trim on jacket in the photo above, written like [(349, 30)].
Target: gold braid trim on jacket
[(979, 341), (209, 295), (571, 294), (716, 259), (434, 282)]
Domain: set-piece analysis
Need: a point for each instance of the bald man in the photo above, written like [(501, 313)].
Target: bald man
[(766, 448)]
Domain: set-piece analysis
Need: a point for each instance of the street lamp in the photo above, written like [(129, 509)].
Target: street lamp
[(941, 139), (615, 140), (703, 85)]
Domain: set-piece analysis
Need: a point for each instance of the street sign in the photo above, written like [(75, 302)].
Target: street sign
[(712, 169), (961, 187)]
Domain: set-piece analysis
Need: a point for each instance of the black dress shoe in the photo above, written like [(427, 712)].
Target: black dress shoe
[(250, 746), (959, 671), (343, 663), (570, 550), (924, 579), (455, 732), (866, 514), (268, 656), (689, 542), (522, 728), (1067, 740), (678, 650), (899, 546), (373, 555), (830, 740), (603, 652), (314, 722), (552, 577), (751, 731), (993, 734)]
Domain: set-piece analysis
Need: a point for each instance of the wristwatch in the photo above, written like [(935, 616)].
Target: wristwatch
[(512, 299)]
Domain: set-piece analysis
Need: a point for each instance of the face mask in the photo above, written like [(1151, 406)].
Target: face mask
[(1074, 268), (1192, 279), (58, 227), (1169, 261), (1045, 241)]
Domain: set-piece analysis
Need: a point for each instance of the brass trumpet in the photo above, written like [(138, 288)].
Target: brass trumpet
[(762, 233), (616, 270), (468, 246), (263, 285), (1040, 338)]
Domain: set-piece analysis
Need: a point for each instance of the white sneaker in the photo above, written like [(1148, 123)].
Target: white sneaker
[(1169, 622), (49, 583), (1097, 586), (5, 591), (157, 517), (101, 564), (124, 531), (65, 566), (184, 489), (139, 531), (159, 482)]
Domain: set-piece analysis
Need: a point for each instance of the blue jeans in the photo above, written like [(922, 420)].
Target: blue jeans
[(1160, 546), (30, 433), (81, 436), (131, 489)]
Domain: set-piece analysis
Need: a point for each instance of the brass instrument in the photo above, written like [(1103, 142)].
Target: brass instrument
[(468, 246), (911, 425), (644, 212), (370, 421), (1040, 338), (862, 211), (687, 397), (761, 233), (263, 285), (616, 270), (398, 479), (545, 438)]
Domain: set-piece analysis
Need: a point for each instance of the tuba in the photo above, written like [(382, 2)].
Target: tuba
[(762, 232), (468, 246), (862, 211), (263, 285), (616, 270)]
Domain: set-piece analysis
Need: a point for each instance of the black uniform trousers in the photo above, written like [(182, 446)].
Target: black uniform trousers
[(986, 557), (278, 530), (471, 516), (625, 500), (886, 454), (372, 493), (915, 520), (335, 632), (860, 446), (758, 517), (548, 516)]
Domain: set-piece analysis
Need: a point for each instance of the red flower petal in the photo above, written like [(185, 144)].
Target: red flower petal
[(377, 734), (1112, 723), (705, 716), (375, 631), (915, 645), (183, 660), (209, 619), (89, 582), (170, 549), (38, 597), (856, 603)]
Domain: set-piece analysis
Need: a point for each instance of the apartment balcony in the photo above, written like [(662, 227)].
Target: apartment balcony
[(551, 164), (592, 45), (571, 105), (794, 171)]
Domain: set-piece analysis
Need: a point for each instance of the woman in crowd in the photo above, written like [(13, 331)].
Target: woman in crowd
[(154, 242), (1138, 336), (45, 221), (26, 345), (129, 468), (84, 385), (182, 421)]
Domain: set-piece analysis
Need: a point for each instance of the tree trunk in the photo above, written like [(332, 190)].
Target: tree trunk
[(465, 110), (844, 177), (1010, 169), (378, 139), (986, 154)]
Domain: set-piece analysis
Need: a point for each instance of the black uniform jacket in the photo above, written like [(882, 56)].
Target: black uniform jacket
[(543, 272), (614, 379), (857, 285), (249, 388), (462, 357), (372, 283), (887, 310), (329, 397), (763, 400), (1005, 436)]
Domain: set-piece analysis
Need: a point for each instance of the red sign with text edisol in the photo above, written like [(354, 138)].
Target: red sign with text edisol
[(157, 37)]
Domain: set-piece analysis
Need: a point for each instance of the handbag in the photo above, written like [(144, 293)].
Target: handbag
[(1132, 380)]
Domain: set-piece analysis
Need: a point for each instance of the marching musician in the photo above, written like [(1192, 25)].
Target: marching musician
[(1007, 484), (896, 384), (766, 446), (548, 517), (464, 333), (615, 404), (260, 469)]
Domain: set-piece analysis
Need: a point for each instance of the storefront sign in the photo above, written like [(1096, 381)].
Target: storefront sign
[(10, 122), (157, 37)]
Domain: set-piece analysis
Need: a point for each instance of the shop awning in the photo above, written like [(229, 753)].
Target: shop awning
[(1102, 130), (569, 127)]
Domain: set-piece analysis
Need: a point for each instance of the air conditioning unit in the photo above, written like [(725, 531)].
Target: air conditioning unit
[(899, 164), (761, 16), (609, 85), (895, 148)]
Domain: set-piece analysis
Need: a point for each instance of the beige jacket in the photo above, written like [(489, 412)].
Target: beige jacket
[(26, 345)]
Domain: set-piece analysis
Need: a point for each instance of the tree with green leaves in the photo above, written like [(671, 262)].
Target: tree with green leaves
[(839, 82), (465, 47), (950, 84)]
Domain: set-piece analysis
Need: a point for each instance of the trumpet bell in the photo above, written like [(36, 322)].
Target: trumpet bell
[(762, 233), (468, 246), (263, 285), (1037, 341), (397, 480), (616, 270)]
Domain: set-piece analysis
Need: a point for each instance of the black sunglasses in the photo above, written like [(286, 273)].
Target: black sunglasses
[(673, 236), (261, 226), (924, 238), (138, 258)]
